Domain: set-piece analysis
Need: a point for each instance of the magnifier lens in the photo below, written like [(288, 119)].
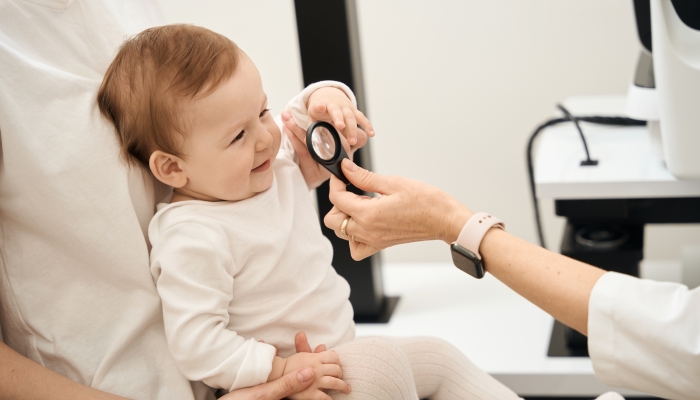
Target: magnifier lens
[(323, 143)]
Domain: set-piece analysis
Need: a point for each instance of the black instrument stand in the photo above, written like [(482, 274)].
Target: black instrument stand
[(609, 233), (330, 50)]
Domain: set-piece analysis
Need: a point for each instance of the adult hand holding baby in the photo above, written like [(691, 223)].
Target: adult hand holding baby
[(332, 105)]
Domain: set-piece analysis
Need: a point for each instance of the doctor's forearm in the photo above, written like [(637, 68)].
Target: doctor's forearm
[(559, 285), (21, 378)]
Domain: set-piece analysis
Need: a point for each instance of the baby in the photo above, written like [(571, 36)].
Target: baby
[(238, 255)]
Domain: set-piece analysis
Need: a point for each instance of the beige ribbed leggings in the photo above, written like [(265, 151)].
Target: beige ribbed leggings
[(415, 368)]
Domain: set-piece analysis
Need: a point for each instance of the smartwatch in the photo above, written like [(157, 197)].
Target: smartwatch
[(465, 251)]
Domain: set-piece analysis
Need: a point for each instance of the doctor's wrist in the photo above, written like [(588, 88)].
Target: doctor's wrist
[(455, 221)]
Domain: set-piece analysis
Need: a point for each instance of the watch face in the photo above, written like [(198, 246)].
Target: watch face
[(467, 261)]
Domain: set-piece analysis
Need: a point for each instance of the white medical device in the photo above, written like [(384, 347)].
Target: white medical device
[(668, 95)]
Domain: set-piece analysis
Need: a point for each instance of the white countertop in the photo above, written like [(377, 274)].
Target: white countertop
[(627, 166), (496, 328)]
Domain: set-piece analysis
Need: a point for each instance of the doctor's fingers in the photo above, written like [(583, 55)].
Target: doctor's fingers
[(360, 251), (346, 201), (354, 232)]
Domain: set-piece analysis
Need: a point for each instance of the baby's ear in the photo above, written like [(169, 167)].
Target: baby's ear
[(167, 168)]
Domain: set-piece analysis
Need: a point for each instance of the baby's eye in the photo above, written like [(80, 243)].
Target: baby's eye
[(265, 111), (237, 138)]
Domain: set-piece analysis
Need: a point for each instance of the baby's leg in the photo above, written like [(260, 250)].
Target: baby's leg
[(375, 368), (442, 372)]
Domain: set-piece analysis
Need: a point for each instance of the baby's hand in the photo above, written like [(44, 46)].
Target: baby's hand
[(326, 366), (333, 105)]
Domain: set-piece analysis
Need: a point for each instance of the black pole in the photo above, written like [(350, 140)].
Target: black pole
[(329, 46)]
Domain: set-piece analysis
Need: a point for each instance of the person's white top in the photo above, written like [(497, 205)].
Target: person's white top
[(645, 335), (232, 273), (76, 293)]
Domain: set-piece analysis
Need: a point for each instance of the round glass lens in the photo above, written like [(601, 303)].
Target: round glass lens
[(323, 143)]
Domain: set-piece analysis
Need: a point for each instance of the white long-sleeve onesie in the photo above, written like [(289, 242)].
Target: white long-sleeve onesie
[(232, 273)]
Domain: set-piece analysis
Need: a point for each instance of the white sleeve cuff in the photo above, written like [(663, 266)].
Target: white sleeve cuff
[(601, 327), (256, 366), (645, 335), (298, 105)]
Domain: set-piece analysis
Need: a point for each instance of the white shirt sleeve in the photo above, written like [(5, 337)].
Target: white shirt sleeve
[(645, 335), (193, 270)]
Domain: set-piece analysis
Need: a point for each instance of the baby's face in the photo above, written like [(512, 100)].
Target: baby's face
[(232, 139)]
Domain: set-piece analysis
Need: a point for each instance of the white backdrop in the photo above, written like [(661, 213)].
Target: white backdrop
[(454, 88)]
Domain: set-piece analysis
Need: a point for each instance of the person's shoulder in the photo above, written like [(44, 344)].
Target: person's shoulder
[(185, 218)]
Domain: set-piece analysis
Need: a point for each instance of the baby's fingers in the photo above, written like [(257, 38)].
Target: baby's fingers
[(350, 126), (317, 110), (364, 123), (330, 357), (330, 383), (291, 125), (330, 370), (336, 115)]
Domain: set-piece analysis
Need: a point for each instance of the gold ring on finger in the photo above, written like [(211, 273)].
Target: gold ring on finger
[(343, 226)]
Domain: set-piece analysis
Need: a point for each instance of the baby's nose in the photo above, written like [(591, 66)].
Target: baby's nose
[(264, 140)]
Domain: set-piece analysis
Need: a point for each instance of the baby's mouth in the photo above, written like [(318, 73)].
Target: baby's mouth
[(262, 167)]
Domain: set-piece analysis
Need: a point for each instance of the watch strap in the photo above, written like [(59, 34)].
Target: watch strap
[(475, 229)]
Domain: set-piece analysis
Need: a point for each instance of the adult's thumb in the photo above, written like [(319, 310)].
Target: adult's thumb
[(293, 382), (364, 179)]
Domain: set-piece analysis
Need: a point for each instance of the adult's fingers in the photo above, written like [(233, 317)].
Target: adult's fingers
[(360, 251), (367, 180), (334, 220), (291, 383), (320, 348), (347, 202), (301, 343), (331, 383)]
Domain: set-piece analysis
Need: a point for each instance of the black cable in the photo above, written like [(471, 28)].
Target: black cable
[(613, 121), (587, 161)]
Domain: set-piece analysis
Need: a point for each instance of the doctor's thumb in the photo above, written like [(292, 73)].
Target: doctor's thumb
[(364, 179)]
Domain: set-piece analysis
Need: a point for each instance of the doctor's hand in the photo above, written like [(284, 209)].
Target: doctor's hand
[(407, 211)]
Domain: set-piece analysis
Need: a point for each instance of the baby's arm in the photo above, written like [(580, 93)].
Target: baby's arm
[(193, 270)]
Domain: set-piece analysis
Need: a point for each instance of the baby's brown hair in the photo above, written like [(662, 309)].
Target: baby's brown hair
[(151, 74)]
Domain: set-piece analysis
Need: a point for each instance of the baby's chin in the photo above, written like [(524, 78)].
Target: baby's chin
[(262, 185)]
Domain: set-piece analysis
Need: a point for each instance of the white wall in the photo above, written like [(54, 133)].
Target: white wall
[(454, 88)]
